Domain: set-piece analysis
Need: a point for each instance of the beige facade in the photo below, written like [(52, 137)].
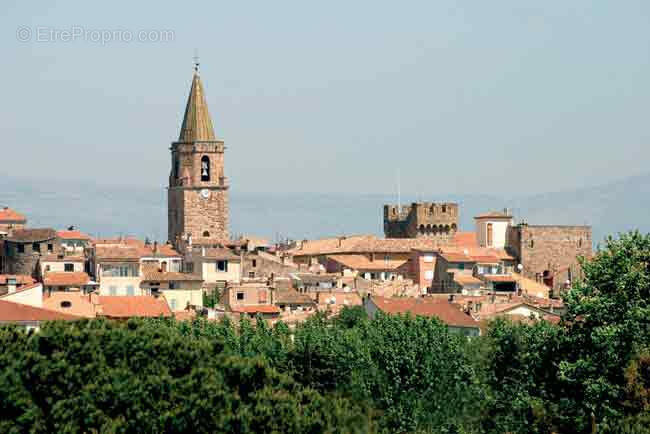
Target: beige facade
[(59, 264), (179, 299)]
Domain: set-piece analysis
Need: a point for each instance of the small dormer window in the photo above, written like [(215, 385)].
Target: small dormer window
[(444, 209), (66, 304)]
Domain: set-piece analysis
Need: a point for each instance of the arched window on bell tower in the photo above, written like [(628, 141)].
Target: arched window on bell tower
[(205, 168)]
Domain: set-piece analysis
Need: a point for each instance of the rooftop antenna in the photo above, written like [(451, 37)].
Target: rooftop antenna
[(196, 61)]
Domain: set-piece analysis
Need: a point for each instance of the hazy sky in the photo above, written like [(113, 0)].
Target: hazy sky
[(461, 96)]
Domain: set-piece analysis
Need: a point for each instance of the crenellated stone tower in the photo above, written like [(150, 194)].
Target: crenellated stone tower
[(197, 200)]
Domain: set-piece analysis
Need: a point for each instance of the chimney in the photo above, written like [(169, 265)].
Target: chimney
[(155, 247)]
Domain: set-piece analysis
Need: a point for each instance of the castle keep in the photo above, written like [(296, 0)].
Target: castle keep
[(423, 219), (197, 200)]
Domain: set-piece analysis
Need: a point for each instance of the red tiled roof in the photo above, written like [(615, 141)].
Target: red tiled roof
[(72, 235), (256, 308), (131, 249), (70, 302), (429, 307), (362, 262), (16, 312), (465, 239), (119, 306), (21, 279), (8, 215), (76, 278)]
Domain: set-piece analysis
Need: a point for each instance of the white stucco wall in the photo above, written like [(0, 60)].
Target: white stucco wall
[(499, 231)]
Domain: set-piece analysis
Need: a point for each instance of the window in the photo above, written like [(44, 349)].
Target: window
[(205, 168), (112, 290), (175, 168), (254, 263), (461, 266), (172, 303), (206, 234), (66, 304), (240, 296), (222, 265), (47, 268), (444, 209), (68, 267), (36, 247), (251, 274), (172, 285), (50, 248), (489, 234), (20, 248), (130, 290), (189, 267), (531, 244), (386, 258), (163, 266)]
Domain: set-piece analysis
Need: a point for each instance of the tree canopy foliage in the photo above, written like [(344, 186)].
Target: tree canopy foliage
[(348, 373)]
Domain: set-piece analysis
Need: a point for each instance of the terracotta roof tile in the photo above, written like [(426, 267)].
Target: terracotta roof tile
[(362, 262), (73, 303), (429, 307), (76, 278), (8, 215), (72, 235), (16, 312), (117, 306), (465, 239)]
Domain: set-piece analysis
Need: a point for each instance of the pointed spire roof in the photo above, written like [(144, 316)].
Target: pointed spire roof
[(197, 124)]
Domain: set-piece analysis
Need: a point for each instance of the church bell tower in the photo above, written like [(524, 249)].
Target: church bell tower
[(197, 200)]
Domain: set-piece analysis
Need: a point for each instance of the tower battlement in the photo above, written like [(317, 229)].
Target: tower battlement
[(421, 219)]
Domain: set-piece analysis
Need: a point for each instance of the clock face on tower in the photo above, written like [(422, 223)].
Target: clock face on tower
[(205, 193)]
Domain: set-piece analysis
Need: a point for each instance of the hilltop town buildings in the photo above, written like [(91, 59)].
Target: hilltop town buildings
[(424, 266)]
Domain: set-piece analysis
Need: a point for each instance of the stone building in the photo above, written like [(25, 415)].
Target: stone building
[(423, 219), (547, 252), (198, 189), (24, 248)]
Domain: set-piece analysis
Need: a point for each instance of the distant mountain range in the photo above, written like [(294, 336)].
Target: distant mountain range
[(108, 210)]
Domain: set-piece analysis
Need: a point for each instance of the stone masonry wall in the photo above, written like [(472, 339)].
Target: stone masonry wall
[(549, 249)]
